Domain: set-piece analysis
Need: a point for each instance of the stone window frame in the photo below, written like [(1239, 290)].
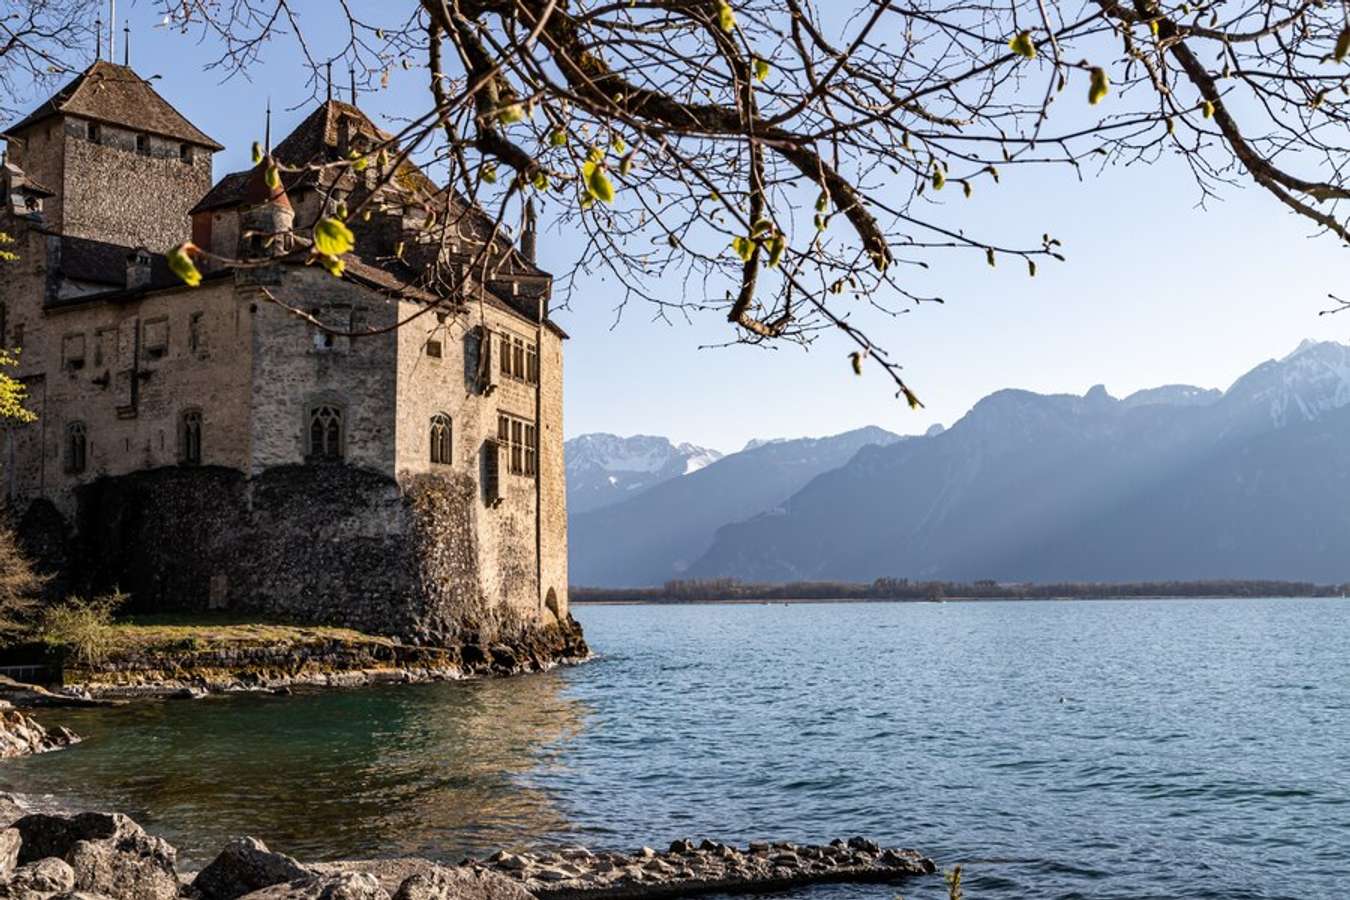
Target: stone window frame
[(159, 351), (441, 434), (519, 440), (433, 349), (191, 423), (519, 358), (98, 344), (186, 154), (197, 335), (93, 132), (143, 143), (76, 447), (314, 408), (73, 362)]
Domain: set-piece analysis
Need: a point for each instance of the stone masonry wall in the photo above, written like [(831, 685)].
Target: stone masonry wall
[(330, 544), (112, 193)]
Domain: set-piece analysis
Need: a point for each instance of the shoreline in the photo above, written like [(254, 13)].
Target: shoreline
[(794, 601), (53, 851)]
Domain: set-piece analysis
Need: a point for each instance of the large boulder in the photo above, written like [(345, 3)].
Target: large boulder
[(11, 810), (342, 886), (244, 866), (109, 853), (431, 879)]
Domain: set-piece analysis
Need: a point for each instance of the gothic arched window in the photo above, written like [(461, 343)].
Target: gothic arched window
[(325, 432), (76, 447), (190, 437), (440, 439)]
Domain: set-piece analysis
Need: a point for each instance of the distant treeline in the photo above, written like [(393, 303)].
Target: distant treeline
[(721, 589)]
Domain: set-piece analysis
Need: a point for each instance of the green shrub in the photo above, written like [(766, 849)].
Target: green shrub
[(83, 628)]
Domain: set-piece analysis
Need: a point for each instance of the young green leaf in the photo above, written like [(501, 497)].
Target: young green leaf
[(1023, 45), (332, 237), (744, 247), (181, 264), (726, 16), (855, 359), (257, 153), (1098, 85), (511, 114), (761, 68), (598, 184)]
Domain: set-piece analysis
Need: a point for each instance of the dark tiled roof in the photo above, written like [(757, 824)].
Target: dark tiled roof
[(117, 95), (101, 263)]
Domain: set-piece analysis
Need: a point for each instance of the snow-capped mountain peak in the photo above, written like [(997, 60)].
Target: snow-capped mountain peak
[(605, 468)]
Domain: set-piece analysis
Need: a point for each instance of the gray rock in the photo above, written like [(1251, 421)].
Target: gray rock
[(21, 735), (465, 883), (11, 810), (109, 853), (43, 878), (552, 875), (246, 865), (10, 840), (342, 886)]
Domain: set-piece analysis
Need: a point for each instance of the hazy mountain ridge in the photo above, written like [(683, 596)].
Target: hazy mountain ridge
[(1176, 482), (605, 468), (654, 536)]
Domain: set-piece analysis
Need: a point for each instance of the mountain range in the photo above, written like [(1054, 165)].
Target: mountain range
[(670, 521), (1175, 482)]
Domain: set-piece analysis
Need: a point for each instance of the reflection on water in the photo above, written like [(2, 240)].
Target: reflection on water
[(425, 769), (1112, 750)]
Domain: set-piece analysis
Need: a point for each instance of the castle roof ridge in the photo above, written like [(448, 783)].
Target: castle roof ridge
[(116, 95)]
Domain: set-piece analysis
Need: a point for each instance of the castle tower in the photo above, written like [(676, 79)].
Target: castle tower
[(265, 216), (122, 164)]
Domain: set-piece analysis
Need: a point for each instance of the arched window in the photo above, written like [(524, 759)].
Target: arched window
[(76, 447), (325, 432), (440, 439), (190, 437)]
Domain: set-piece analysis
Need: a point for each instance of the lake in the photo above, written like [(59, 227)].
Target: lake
[(1103, 749)]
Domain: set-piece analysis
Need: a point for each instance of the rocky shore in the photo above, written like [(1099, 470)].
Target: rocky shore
[(21, 735), (280, 659), (107, 856)]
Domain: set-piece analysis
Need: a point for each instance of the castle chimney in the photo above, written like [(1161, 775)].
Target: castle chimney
[(527, 235), (138, 269)]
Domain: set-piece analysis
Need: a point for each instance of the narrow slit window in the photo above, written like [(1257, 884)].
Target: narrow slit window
[(192, 437), (77, 447)]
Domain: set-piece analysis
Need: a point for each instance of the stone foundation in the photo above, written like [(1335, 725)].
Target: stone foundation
[(323, 544)]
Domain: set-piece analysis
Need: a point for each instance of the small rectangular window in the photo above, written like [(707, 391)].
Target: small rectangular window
[(105, 346), (531, 451), (93, 132), (72, 352), (492, 472), (185, 153), (156, 337), (506, 356), (143, 144), (434, 349), (518, 361)]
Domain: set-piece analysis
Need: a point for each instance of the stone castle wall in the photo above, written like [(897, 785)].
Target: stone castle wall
[(332, 544)]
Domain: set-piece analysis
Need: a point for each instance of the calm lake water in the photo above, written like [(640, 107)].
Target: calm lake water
[(1114, 749)]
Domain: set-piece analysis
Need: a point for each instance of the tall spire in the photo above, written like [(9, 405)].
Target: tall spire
[(351, 70), (267, 131), (112, 31), (126, 43), (330, 81), (98, 39)]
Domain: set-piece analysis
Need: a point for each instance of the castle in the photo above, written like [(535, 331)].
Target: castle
[(382, 449)]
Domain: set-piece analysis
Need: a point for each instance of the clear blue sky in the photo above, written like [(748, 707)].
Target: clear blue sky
[(1155, 291)]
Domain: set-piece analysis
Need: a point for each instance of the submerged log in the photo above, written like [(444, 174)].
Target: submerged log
[(710, 867)]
